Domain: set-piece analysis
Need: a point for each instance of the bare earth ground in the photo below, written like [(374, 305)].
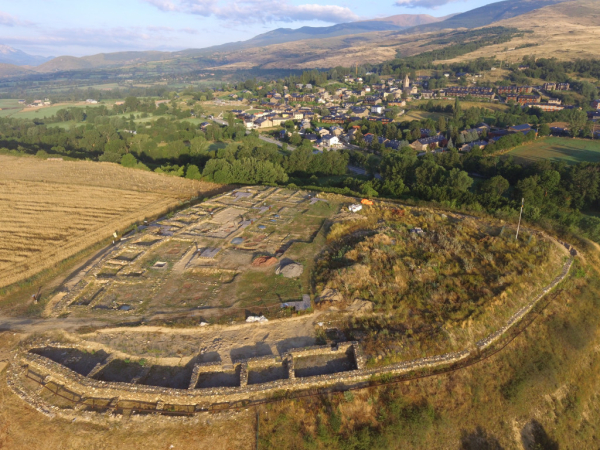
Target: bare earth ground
[(216, 343), (53, 210)]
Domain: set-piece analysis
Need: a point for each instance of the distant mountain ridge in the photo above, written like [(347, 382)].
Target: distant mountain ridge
[(411, 20), (485, 15), (394, 26), (284, 35), (9, 55)]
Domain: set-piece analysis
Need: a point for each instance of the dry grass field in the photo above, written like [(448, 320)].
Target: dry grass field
[(565, 31), (53, 210)]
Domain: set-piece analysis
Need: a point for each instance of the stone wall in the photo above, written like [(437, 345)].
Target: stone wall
[(203, 399)]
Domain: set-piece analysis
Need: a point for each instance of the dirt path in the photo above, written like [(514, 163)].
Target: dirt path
[(230, 343)]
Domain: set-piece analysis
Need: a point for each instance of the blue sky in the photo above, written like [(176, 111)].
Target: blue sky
[(69, 27)]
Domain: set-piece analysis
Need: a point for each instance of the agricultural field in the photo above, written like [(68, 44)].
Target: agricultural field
[(463, 103), (570, 151), (417, 114), (8, 107), (52, 210)]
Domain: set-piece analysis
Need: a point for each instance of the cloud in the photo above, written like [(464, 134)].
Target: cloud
[(111, 39), (11, 21), (431, 4), (163, 5), (257, 11)]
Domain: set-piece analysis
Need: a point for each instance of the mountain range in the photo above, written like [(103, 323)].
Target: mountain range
[(9, 55), (374, 41)]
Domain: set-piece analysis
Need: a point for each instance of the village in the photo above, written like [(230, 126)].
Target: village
[(332, 119)]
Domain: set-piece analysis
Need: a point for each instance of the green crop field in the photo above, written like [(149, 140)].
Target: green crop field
[(8, 107), (571, 151), (48, 111)]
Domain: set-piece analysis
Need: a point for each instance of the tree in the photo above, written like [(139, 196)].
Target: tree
[(458, 180), (131, 104), (577, 119), (295, 139), (441, 125), (495, 186), (193, 173), (230, 119), (128, 160), (589, 91), (394, 187), (544, 130), (457, 109)]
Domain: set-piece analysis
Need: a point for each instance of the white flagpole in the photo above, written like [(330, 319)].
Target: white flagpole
[(520, 215)]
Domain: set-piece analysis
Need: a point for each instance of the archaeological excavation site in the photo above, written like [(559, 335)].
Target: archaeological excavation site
[(266, 293)]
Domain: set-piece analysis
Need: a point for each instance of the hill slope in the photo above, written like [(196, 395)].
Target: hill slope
[(11, 70), (486, 15), (565, 31), (411, 20)]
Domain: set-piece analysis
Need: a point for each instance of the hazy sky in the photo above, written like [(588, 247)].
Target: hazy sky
[(69, 27)]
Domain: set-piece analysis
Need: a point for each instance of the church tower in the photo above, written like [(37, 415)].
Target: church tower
[(406, 83)]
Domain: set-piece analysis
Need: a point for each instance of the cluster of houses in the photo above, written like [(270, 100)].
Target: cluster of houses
[(342, 104), (478, 137), (334, 109), (484, 93), (36, 103), (349, 104)]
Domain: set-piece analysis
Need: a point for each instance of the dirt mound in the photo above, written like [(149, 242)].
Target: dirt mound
[(292, 270), (330, 296), (264, 261)]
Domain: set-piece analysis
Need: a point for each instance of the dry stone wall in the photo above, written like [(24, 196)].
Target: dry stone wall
[(203, 399)]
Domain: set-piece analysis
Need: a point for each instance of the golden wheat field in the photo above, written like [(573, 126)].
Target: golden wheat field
[(51, 210)]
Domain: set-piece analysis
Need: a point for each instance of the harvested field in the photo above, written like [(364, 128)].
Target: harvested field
[(53, 210)]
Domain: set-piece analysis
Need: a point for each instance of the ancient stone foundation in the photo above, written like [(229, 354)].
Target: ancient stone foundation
[(243, 382)]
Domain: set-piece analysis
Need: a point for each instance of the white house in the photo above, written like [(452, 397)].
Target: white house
[(330, 140), (377, 109)]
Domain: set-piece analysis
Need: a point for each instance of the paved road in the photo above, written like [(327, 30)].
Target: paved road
[(272, 141), (357, 170)]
